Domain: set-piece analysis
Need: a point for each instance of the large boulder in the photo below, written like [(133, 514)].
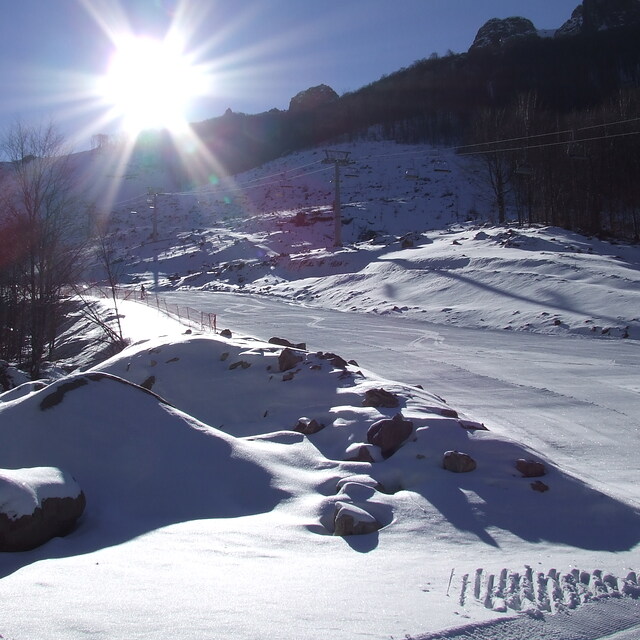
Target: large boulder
[(390, 433), (37, 504)]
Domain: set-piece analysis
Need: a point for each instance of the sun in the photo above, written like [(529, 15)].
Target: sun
[(150, 84)]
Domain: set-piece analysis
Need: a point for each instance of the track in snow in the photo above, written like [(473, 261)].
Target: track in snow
[(539, 593), (578, 605)]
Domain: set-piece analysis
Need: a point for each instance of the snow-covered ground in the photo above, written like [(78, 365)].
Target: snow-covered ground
[(208, 517)]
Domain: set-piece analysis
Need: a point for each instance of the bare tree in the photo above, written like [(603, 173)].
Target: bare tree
[(114, 268), (37, 200), (490, 127)]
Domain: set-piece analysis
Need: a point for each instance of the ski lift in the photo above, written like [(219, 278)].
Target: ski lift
[(352, 173)]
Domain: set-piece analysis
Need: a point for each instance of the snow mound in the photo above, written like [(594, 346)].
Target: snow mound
[(139, 461)]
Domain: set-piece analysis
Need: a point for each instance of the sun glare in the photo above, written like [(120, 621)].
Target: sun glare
[(150, 84)]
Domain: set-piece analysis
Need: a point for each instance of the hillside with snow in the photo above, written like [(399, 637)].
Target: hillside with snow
[(419, 239), (218, 469)]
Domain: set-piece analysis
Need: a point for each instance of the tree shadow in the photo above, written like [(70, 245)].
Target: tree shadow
[(557, 507)]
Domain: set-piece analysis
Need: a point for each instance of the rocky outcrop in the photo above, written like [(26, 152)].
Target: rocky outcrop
[(600, 15), (573, 26), (312, 98), (496, 33)]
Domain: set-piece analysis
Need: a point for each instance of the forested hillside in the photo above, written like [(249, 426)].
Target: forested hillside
[(567, 108)]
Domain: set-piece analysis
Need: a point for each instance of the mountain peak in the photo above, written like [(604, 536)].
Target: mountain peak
[(600, 15), (312, 98), (497, 32)]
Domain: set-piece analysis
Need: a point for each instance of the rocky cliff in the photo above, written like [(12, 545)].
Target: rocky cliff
[(312, 98), (497, 32), (600, 15)]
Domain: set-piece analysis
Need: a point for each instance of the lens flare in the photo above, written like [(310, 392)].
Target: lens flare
[(150, 84)]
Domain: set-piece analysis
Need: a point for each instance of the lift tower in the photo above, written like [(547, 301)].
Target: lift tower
[(337, 159)]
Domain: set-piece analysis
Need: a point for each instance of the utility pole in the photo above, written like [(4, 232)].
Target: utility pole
[(337, 159), (152, 201)]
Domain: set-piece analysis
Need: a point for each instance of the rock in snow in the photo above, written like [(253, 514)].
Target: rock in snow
[(37, 504), (308, 426), (530, 468), (351, 520), (380, 398), (458, 462), (288, 359), (390, 433)]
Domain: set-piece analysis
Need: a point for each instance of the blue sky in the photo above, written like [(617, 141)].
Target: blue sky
[(263, 51)]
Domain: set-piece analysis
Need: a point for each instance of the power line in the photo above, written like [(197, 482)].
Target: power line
[(551, 144), (516, 139)]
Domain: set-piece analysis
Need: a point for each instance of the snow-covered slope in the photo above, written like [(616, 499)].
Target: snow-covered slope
[(209, 516), (207, 507), (418, 240)]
